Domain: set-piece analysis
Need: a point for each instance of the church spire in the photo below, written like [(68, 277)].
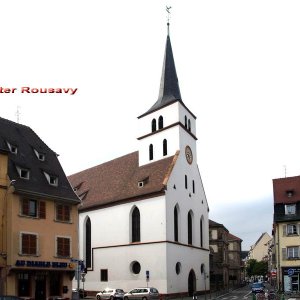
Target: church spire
[(169, 91)]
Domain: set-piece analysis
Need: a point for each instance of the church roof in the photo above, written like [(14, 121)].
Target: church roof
[(169, 91), (23, 146), (121, 180)]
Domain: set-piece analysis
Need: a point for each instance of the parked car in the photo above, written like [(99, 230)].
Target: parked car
[(258, 287), (82, 293), (142, 293), (110, 294)]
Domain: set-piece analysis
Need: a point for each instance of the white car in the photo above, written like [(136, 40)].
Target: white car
[(142, 294), (110, 294)]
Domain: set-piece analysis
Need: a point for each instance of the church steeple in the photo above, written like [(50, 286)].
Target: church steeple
[(169, 91)]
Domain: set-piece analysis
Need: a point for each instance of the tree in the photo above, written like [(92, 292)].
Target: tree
[(255, 267)]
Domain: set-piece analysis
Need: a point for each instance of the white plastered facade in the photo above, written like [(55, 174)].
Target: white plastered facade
[(157, 251)]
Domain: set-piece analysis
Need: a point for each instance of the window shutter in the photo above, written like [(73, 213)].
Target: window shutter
[(25, 207), (284, 230), (284, 254), (42, 210), (59, 212)]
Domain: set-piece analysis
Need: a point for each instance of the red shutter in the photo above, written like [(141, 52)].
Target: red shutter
[(25, 207), (29, 244), (59, 212), (42, 210), (63, 247)]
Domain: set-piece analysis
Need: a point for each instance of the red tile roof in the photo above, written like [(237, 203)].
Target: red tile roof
[(232, 237), (282, 187), (117, 180)]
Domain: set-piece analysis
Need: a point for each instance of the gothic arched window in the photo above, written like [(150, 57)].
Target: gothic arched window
[(88, 243), (151, 152), (160, 122), (165, 147), (201, 232), (153, 125), (175, 224), (135, 226), (190, 228)]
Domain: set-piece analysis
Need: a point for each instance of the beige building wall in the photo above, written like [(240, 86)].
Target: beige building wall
[(13, 223), (260, 249)]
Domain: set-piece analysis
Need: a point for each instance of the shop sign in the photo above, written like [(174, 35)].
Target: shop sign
[(42, 264)]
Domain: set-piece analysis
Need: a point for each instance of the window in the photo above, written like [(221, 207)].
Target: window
[(290, 209), (190, 228), (151, 152), (160, 122), (52, 179), (291, 229), (28, 244), (63, 247), (293, 252), (189, 125), (175, 224), (12, 148), (153, 125), (88, 244), (193, 186), (39, 155), (63, 213), (185, 181), (33, 208), (178, 268), (185, 121), (135, 227), (201, 232), (23, 284), (103, 275), (23, 173), (165, 147), (135, 267)]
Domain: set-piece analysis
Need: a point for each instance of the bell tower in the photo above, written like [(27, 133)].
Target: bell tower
[(168, 126)]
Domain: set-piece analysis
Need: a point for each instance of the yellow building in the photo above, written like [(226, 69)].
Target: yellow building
[(39, 217), (286, 232)]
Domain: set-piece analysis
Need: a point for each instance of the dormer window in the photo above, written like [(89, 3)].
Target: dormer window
[(142, 182), (289, 193), (23, 173), (39, 155), (52, 179), (12, 148), (290, 209)]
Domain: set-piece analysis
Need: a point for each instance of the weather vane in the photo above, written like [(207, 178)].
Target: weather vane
[(168, 11)]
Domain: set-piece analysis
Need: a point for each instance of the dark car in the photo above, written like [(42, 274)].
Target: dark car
[(258, 287), (82, 293)]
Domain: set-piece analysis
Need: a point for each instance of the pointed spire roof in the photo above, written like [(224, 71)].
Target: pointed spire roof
[(169, 91)]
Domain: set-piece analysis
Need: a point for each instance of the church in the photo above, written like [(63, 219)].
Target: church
[(144, 220)]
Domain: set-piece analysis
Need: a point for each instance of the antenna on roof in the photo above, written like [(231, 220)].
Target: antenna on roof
[(18, 114), (168, 11), (284, 171)]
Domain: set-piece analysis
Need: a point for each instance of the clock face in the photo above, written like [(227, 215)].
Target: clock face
[(188, 154)]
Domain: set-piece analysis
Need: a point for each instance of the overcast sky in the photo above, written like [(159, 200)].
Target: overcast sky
[(238, 65)]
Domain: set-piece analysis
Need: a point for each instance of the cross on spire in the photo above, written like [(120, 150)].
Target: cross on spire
[(168, 11)]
